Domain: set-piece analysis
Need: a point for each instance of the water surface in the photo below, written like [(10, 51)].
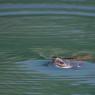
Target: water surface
[(32, 33)]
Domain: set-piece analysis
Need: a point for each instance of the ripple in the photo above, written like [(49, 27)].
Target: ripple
[(57, 6), (47, 13), (85, 70), (83, 75)]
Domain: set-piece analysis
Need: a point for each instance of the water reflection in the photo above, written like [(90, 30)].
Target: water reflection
[(83, 74)]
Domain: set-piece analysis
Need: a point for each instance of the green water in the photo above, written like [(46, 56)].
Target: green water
[(28, 36), (39, 36)]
